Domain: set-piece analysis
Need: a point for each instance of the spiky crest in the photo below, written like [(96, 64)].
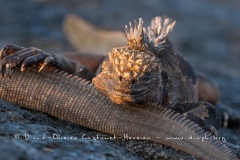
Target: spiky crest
[(154, 36), (160, 29), (134, 35)]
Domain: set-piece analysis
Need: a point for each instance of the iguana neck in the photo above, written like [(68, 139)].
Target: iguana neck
[(70, 98), (178, 76)]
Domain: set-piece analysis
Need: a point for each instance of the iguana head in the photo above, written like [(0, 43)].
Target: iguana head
[(132, 73)]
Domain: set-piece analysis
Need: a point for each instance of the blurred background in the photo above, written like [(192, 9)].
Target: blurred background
[(207, 33)]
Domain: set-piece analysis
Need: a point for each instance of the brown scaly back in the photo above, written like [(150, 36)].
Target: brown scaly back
[(132, 72)]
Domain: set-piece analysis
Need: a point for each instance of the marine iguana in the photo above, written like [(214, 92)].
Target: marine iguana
[(138, 39), (76, 100), (148, 69)]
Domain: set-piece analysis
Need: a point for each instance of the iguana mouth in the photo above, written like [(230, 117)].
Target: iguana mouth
[(124, 96)]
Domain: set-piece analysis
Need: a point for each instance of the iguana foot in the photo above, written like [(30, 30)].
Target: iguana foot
[(13, 55), (203, 113), (9, 49)]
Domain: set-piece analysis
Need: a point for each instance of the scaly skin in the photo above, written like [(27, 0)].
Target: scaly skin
[(76, 100), (12, 55), (148, 70)]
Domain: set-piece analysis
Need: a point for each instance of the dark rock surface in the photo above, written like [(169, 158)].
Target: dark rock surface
[(31, 135), (207, 33)]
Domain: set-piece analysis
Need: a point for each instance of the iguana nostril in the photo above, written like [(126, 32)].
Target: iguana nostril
[(120, 78)]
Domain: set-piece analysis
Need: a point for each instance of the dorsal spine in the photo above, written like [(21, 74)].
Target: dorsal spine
[(154, 37)]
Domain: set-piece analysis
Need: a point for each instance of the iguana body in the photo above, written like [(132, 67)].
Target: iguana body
[(148, 70), (171, 84), (76, 100)]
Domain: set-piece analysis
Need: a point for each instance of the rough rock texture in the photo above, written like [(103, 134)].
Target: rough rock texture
[(207, 33), (29, 135)]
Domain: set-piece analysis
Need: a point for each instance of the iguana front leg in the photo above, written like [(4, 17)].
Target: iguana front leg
[(203, 113), (13, 55)]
